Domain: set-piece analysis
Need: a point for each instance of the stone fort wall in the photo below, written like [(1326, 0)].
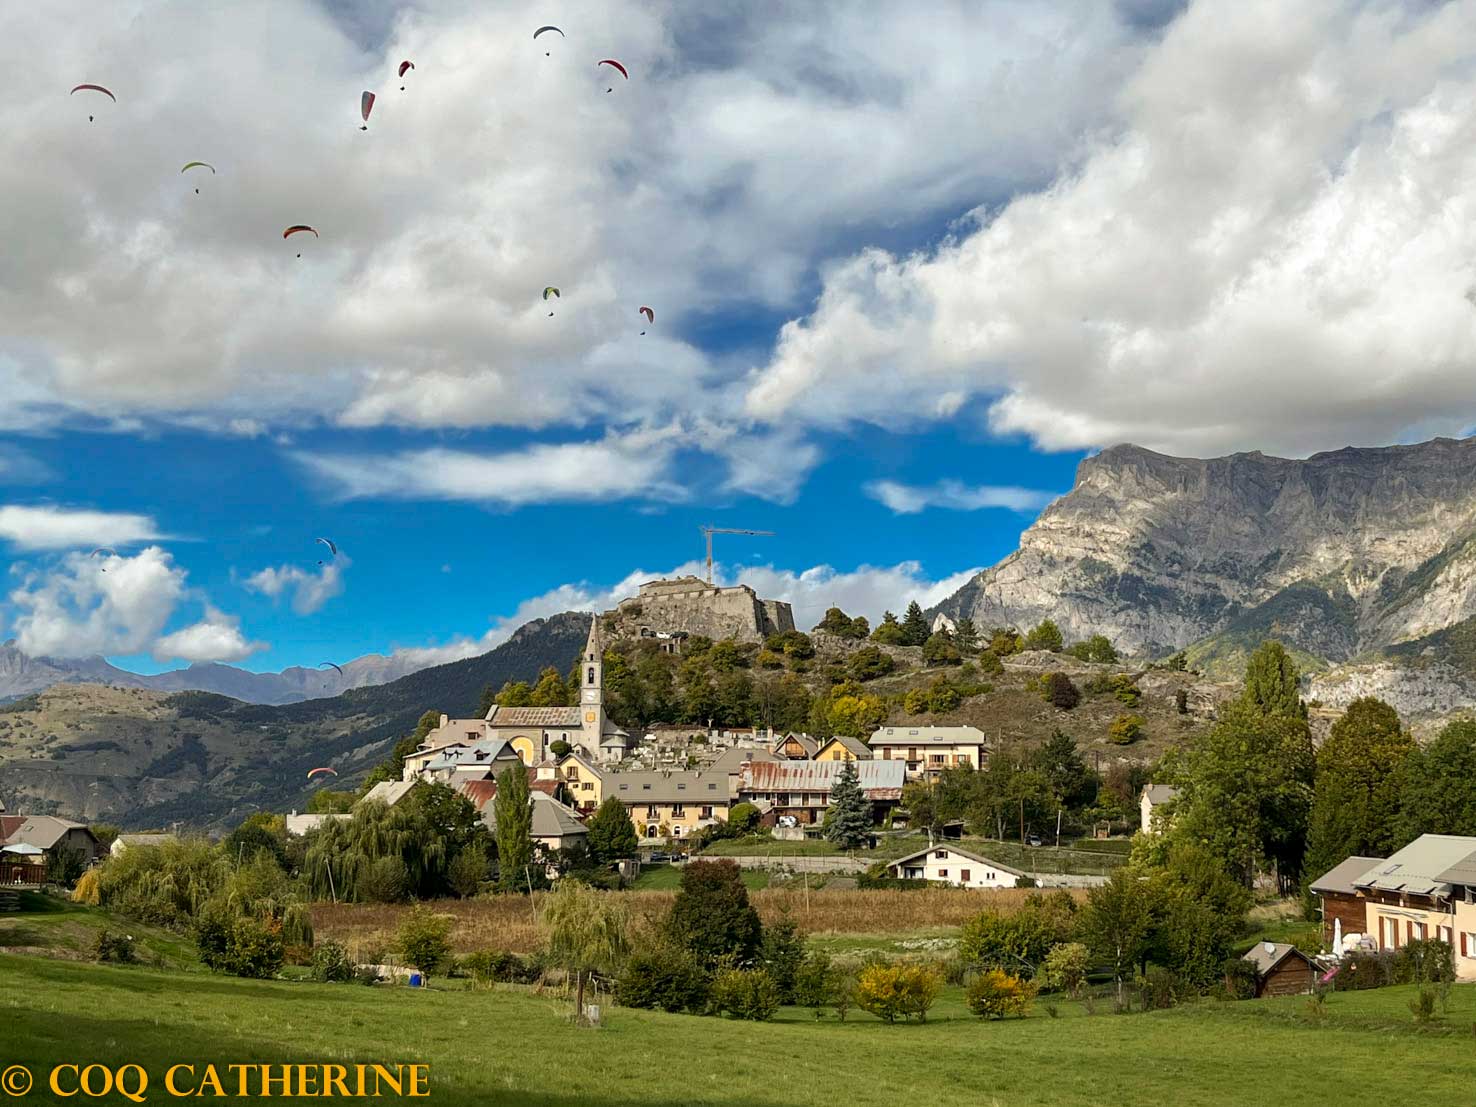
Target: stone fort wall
[(692, 605)]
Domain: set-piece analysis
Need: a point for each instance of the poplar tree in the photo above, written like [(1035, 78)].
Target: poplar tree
[(514, 833)]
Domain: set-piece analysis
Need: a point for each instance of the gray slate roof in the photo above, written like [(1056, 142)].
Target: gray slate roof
[(1420, 868), (668, 787), (43, 831), (1160, 793), (857, 747), (929, 736), (1339, 879)]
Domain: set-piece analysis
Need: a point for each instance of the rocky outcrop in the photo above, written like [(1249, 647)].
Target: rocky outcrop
[(1340, 555), (1423, 696)]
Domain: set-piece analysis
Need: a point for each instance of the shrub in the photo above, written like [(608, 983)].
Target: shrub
[(331, 963), (868, 663), (1422, 1007), (254, 949), (940, 650), (1181, 701), (1240, 978), (1363, 969), (114, 948), (1058, 690), (1126, 729), (1160, 988), (1424, 961), (744, 994), (1042, 922), (1125, 691), (1064, 968), (712, 916), (890, 991), (814, 982), (990, 664), (743, 819), (997, 994), (424, 939), (489, 966), (665, 977)]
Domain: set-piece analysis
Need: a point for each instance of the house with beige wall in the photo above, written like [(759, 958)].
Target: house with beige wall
[(841, 748), (928, 750), (680, 802)]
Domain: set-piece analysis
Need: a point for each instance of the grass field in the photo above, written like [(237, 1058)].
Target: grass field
[(1084, 856), (512, 1047), (60, 928), (667, 878)]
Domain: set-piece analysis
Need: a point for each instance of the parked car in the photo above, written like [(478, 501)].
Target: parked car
[(1032, 840)]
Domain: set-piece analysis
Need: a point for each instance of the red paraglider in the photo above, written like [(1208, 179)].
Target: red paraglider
[(94, 88), (617, 65), (297, 228), (405, 66), (324, 769), (366, 105), (649, 314)]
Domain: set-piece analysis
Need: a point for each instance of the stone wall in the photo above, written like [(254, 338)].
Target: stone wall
[(692, 605)]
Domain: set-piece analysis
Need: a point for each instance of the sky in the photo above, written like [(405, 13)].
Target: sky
[(906, 273)]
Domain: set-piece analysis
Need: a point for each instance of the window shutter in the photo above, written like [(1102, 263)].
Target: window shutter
[(1463, 943)]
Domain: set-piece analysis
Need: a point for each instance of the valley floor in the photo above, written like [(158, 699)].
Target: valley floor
[(510, 1046)]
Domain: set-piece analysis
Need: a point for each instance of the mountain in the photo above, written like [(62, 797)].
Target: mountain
[(1364, 555), (141, 757), (22, 675)]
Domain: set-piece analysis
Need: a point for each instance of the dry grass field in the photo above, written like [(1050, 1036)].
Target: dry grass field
[(511, 922)]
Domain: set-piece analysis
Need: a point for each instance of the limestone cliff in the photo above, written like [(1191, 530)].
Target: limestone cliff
[(1358, 553)]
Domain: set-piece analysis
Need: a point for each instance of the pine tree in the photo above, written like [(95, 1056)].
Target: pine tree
[(486, 700), (914, 627), (1271, 682), (889, 632), (514, 833), (850, 811), (611, 833), (1356, 797), (966, 635)]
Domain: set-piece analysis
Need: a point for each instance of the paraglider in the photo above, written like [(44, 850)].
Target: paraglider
[(550, 291), (649, 314), (366, 105), (322, 769), (103, 550), (332, 547), (93, 88), (617, 65), (540, 31), (298, 228), (198, 165), (404, 67), (329, 665)]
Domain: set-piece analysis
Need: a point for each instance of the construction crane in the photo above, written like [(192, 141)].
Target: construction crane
[(710, 531)]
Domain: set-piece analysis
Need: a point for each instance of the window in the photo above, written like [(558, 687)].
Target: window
[(681, 787), (1468, 943), (942, 854), (1414, 931), (679, 811), (942, 874), (587, 787), (645, 787), (712, 787), (591, 679), (1388, 932), (652, 812), (935, 759), (988, 876), (625, 787), (1445, 934), (963, 875), (652, 831), (707, 812)]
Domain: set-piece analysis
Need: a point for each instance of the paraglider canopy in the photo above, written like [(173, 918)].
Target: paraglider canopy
[(404, 66), (322, 769), (649, 314), (550, 27), (329, 665), (550, 291), (103, 550), (94, 88), (200, 165), (295, 229), (332, 548), (366, 105), (617, 65)]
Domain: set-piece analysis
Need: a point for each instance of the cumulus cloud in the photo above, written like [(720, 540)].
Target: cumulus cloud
[(55, 528), (748, 145), (88, 606), (1272, 249), (867, 590), (909, 499), (217, 637), (633, 464), (309, 590)]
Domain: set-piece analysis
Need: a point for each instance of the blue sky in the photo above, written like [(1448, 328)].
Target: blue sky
[(906, 274)]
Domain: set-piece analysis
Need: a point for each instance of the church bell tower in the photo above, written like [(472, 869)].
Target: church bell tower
[(591, 688)]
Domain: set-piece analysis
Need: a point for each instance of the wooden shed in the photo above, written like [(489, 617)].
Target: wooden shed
[(1282, 969)]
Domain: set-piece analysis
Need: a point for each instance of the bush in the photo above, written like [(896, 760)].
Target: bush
[(1422, 1007), (254, 949), (1126, 729), (1029, 934), (744, 994), (1064, 968), (1058, 691), (940, 650), (868, 663), (712, 916), (1240, 978), (114, 948), (385, 880), (1181, 701), (1424, 961), (1159, 988), (665, 977), (489, 966), (814, 982), (743, 819), (990, 664), (1363, 969), (997, 994), (890, 991), (331, 963), (424, 939)]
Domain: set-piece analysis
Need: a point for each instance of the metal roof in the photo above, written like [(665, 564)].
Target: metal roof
[(878, 779), (1340, 877), (1159, 793), (534, 717), (668, 787), (929, 736), (43, 830), (855, 745), (1419, 868), (389, 792), (1265, 956)]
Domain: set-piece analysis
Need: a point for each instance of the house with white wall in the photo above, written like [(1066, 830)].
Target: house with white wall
[(948, 864)]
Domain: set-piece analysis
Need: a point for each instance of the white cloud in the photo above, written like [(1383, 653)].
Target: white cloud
[(55, 528), (217, 637), (746, 147), (909, 499), (867, 590), (1274, 249), (633, 464), (310, 591), (113, 604)]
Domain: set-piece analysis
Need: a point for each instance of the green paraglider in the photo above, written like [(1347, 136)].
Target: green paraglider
[(198, 165), (550, 291)]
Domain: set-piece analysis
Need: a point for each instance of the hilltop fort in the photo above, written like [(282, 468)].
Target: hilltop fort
[(689, 605)]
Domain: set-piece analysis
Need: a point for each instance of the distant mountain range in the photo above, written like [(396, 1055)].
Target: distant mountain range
[(21, 675), (142, 757)]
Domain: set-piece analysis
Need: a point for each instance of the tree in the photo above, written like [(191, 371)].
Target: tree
[(586, 933), (551, 691), (939, 649), (711, 915), (1272, 682), (326, 801), (1046, 636), (1356, 797), (1438, 797), (835, 622), (424, 939), (1199, 913), (1070, 781), (889, 632), (743, 819), (515, 693), (1004, 641), (915, 630), (846, 709), (1058, 690), (1117, 921), (393, 767), (1125, 729), (868, 663), (1096, 648), (467, 870), (849, 818), (514, 820), (485, 701), (611, 833), (966, 635)]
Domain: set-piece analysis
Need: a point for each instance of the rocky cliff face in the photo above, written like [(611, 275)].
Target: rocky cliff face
[(1341, 555)]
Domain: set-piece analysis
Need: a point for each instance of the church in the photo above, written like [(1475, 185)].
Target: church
[(531, 731)]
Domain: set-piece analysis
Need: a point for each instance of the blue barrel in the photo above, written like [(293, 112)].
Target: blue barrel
[(416, 980)]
